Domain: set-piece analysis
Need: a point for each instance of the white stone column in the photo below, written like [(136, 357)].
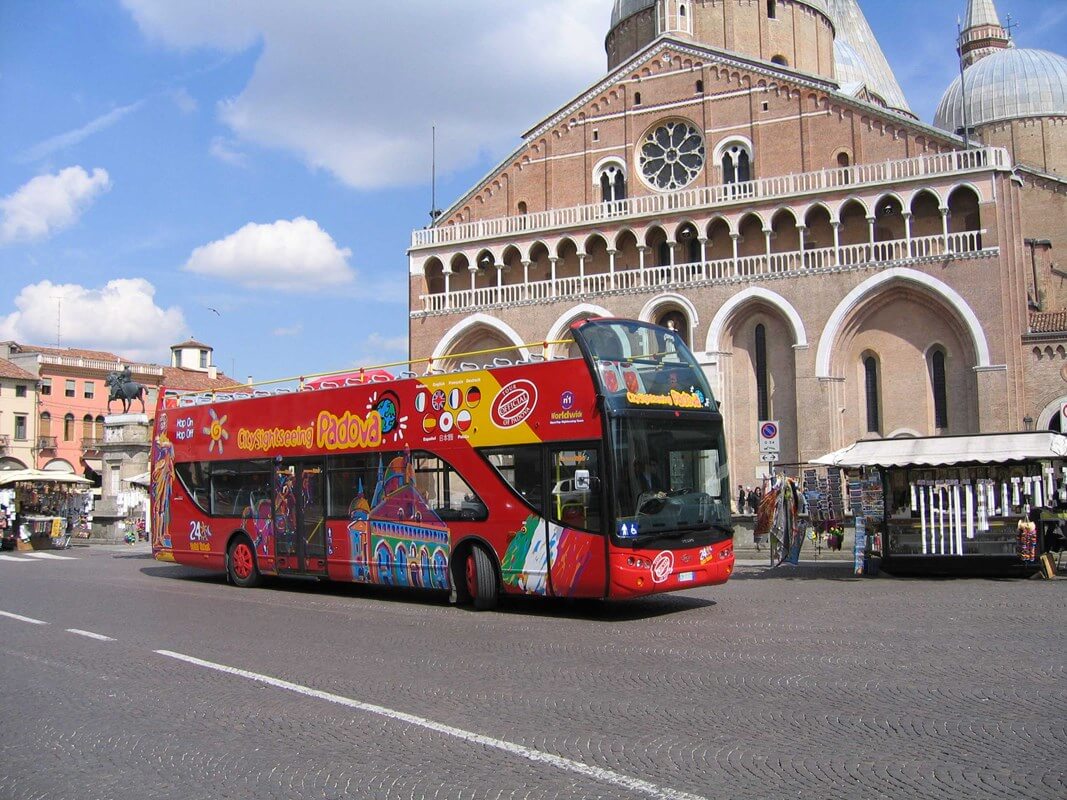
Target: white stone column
[(734, 238), (944, 227), (447, 272), (552, 260), (526, 279), (611, 268), (641, 250), (473, 269), (703, 256), (907, 232), (836, 225)]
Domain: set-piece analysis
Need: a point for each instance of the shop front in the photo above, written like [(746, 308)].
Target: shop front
[(986, 505), (41, 510)]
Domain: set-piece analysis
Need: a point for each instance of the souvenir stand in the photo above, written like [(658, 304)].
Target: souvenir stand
[(957, 505), (45, 508)]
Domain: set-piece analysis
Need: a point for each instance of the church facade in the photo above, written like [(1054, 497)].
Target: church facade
[(749, 173)]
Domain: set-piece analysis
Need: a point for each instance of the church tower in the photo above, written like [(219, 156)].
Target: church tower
[(674, 17), (982, 34)]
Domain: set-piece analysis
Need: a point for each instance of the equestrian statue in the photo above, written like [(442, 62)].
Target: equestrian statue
[(123, 387)]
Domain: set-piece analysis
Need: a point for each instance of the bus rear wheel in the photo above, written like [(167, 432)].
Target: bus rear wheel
[(480, 579), (241, 563)]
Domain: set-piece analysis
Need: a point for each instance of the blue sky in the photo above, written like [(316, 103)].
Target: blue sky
[(164, 164)]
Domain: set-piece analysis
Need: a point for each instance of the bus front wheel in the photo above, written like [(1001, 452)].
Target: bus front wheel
[(480, 579), (241, 563)]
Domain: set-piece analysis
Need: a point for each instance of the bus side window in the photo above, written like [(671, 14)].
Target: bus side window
[(522, 468), (195, 476), (445, 490), (352, 481)]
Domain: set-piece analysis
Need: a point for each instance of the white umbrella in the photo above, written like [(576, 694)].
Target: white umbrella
[(40, 476)]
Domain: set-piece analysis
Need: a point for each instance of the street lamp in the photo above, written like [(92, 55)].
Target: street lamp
[(1028, 423)]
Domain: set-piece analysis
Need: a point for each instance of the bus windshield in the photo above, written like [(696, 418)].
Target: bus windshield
[(670, 476), (639, 365)]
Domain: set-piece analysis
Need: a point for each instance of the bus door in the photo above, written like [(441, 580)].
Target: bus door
[(299, 518), (577, 547)]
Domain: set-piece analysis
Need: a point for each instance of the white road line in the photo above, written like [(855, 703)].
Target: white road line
[(17, 558), (91, 635), (21, 618), (52, 555), (538, 756)]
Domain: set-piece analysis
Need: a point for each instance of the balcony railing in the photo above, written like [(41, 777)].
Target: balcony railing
[(91, 443), (858, 176), (727, 270), (102, 365), (46, 442)]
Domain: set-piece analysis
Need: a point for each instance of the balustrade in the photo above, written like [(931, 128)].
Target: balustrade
[(744, 268), (777, 187)]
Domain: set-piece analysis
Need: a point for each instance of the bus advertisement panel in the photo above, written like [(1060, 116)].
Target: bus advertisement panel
[(599, 476)]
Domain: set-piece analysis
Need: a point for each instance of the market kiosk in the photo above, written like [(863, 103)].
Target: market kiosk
[(961, 505), (43, 509)]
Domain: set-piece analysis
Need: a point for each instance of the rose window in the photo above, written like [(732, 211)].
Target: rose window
[(671, 155)]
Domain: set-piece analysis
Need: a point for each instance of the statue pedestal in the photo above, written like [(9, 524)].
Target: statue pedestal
[(124, 453)]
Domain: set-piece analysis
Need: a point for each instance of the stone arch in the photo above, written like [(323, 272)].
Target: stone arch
[(597, 260), (1049, 418), (540, 265), (434, 271), (754, 294), (558, 329), (511, 258), (719, 232), (925, 207), (672, 301), (902, 275), (472, 331)]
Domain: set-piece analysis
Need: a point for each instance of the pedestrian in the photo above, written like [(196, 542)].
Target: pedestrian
[(753, 501), (740, 499)]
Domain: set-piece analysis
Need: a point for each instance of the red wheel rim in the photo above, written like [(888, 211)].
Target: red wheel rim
[(242, 561), (472, 576)]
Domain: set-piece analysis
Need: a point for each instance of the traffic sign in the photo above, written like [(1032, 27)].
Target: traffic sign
[(769, 433), (770, 458)]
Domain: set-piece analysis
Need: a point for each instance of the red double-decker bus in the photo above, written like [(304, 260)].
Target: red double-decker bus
[(603, 475)]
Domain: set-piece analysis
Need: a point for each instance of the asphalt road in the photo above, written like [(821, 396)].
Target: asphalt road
[(800, 682)]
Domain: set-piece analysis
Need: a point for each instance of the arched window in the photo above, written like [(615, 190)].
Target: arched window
[(522, 207), (763, 399), (46, 424), (870, 382), (700, 87), (98, 428), (637, 98), (688, 239), (681, 10), (736, 163), (611, 178), (87, 426), (68, 428), (781, 61), (939, 388), (676, 321), (772, 13)]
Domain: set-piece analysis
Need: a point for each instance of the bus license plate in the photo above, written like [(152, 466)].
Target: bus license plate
[(685, 577)]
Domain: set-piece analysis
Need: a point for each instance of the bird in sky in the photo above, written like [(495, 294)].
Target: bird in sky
[(209, 308)]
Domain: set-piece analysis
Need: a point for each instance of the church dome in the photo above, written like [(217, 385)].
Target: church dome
[(1007, 84)]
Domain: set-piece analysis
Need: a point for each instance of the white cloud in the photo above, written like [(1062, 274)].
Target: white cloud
[(121, 317), (223, 150), (379, 349), (49, 202), (70, 138), (292, 330), (286, 255), (185, 102), (355, 87)]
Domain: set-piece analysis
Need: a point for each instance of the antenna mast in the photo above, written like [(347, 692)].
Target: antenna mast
[(59, 318), (435, 212)]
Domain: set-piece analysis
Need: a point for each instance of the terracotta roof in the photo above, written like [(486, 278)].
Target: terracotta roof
[(1048, 321), (191, 380), (9, 370), (74, 352), (191, 343)]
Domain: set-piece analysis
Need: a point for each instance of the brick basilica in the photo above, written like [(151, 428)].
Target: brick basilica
[(749, 172)]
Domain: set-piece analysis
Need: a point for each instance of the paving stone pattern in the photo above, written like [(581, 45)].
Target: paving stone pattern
[(800, 682)]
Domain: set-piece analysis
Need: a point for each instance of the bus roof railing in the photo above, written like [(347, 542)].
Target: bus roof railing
[(336, 379)]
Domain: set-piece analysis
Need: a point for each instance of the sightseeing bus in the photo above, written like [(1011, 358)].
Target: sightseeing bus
[(602, 475)]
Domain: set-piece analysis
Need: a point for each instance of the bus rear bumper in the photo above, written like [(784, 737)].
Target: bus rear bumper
[(642, 572)]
